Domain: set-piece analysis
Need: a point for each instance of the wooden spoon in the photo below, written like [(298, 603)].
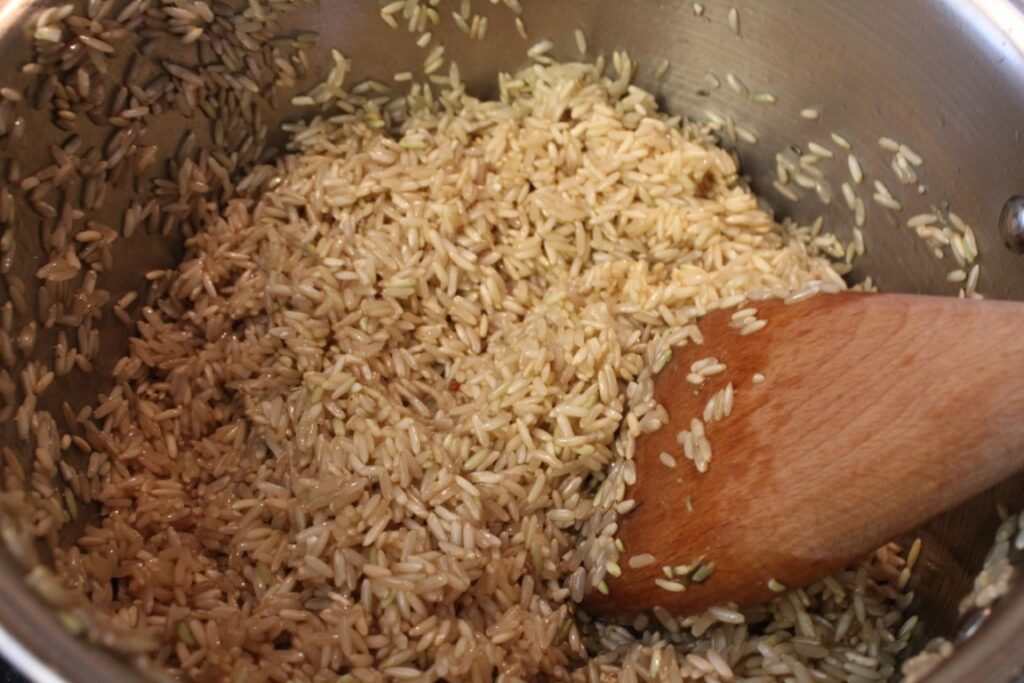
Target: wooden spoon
[(875, 412)]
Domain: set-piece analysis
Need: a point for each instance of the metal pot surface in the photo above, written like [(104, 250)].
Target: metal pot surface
[(946, 77)]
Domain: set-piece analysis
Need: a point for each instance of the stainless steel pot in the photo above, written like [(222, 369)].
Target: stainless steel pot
[(944, 76)]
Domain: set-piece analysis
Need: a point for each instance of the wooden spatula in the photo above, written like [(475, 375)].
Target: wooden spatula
[(855, 417)]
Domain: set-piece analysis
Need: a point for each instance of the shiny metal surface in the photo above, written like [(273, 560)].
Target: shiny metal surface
[(1011, 222), (944, 76)]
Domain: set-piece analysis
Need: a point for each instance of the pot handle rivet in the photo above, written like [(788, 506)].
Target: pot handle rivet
[(1011, 224)]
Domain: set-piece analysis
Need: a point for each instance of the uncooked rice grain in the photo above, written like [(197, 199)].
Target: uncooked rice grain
[(581, 41), (855, 169), (820, 150), (841, 141)]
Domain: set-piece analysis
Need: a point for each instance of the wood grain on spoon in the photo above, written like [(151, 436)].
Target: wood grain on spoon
[(876, 412)]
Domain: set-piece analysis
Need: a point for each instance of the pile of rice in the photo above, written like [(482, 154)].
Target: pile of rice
[(383, 422)]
